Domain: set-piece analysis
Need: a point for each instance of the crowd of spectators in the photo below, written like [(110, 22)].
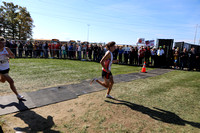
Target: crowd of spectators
[(126, 54)]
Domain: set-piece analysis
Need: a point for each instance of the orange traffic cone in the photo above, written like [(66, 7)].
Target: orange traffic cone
[(144, 68)]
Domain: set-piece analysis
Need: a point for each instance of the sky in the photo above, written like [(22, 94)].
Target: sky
[(122, 21)]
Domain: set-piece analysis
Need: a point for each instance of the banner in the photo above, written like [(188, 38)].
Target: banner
[(141, 41), (149, 43)]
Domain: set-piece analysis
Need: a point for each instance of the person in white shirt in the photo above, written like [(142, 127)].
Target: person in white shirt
[(79, 51), (160, 56), (63, 50), (5, 54), (160, 51)]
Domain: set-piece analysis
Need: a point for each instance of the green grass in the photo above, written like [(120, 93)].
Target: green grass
[(34, 74), (176, 92)]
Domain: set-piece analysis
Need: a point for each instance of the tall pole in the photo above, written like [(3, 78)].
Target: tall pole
[(195, 34), (88, 33)]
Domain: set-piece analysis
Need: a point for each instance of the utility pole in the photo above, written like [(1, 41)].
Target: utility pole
[(195, 34), (88, 33)]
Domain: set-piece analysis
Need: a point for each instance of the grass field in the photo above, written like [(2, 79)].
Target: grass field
[(168, 103), (34, 74)]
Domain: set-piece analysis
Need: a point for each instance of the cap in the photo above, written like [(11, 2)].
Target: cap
[(160, 47)]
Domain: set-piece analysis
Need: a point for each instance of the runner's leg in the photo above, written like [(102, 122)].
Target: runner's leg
[(11, 82), (111, 82)]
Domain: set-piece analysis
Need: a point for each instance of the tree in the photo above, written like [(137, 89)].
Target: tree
[(16, 22), (25, 24)]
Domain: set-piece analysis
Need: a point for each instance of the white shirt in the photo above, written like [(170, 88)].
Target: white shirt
[(160, 52), (4, 64), (79, 48), (63, 47), (110, 62)]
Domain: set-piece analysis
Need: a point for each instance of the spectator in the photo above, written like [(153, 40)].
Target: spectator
[(115, 53), (70, 49), (147, 55), (153, 56), (20, 49), (57, 49), (131, 55), (13, 48), (74, 50), (198, 61), (63, 52), (84, 49), (79, 51), (121, 51), (45, 49), (160, 56), (183, 59), (26, 49), (50, 49), (95, 51), (192, 58), (40, 51), (126, 53), (90, 52), (175, 59), (135, 55), (30, 49), (141, 55), (101, 52)]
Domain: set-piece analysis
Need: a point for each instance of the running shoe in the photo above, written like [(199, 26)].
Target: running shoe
[(20, 97), (109, 96)]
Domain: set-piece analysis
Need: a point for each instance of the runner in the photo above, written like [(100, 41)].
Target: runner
[(5, 53), (106, 63)]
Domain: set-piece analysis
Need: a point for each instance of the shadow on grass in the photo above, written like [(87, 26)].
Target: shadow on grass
[(156, 113), (35, 122)]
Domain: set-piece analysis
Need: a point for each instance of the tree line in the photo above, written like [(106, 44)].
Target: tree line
[(15, 22)]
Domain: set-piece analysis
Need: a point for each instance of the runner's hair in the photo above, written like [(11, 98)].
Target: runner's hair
[(110, 44)]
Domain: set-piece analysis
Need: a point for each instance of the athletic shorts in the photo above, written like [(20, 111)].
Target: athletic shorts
[(4, 71), (106, 75)]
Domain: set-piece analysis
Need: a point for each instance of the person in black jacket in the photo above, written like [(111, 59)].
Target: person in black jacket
[(183, 59), (192, 58), (20, 49)]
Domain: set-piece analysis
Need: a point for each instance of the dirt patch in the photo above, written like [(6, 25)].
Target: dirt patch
[(88, 113), (91, 112)]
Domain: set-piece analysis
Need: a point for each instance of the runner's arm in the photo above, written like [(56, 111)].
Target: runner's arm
[(11, 55), (105, 57)]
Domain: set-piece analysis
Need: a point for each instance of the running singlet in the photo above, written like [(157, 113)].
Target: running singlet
[(108, 62), (4, 59)]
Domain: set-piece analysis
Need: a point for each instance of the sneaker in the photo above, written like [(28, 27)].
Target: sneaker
[(20, 97), (109, 96), (93, 81)]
